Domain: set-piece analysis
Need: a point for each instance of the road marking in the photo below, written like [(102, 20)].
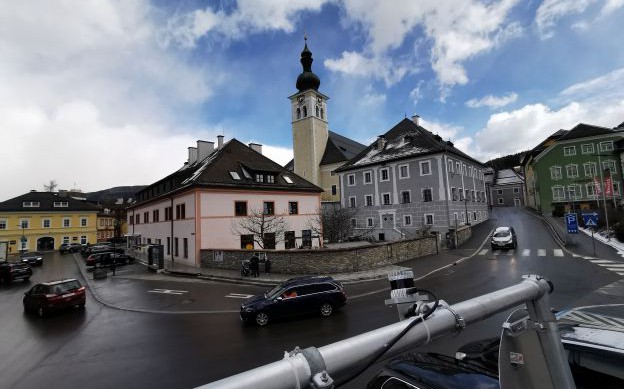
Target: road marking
[(599, 261), (167, 291), (526, 252), (541, 252), (239, 295), (558, 252), (483, 252)]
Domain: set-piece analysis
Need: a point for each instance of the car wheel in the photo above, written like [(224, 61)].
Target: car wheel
[(262, 319), (327, 309), (41, 311)]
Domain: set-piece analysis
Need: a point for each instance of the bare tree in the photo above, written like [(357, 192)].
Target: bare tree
[(266, 229), (334, 223), (50, 187)]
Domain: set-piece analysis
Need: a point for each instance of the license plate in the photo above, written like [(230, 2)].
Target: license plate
[(68, 295)]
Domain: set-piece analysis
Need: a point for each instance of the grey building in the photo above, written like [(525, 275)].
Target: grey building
[(508, 189), (411, 181)]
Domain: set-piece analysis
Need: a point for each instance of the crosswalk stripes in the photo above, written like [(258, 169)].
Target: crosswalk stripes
[(526, 252), (558, 252), (578, 316), (541, 252)]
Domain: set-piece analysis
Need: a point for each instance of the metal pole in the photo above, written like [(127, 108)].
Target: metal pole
[(341, 358), (604, 199)]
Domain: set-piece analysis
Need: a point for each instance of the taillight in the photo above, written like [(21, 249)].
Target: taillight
[(52, 297), (80, 290)]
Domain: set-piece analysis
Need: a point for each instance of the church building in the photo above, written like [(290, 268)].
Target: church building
[(317, 150)]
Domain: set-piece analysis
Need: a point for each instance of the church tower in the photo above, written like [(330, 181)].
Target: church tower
[(309, 121)]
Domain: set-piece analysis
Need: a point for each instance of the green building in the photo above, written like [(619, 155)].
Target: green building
[(576, 169)]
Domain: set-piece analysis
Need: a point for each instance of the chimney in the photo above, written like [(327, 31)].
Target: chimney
[(219, 142), (381, 142), (256, 147), (192, 155), (204, 149), (416, 119)]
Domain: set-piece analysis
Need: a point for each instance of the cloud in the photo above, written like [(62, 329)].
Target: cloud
[(492, 101), (416, 94), (356, 64), (610, 7), (550, 11)]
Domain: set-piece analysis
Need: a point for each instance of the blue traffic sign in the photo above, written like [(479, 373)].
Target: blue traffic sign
[(571, 223), (590, 219)]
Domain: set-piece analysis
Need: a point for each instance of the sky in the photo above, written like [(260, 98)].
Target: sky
[(100, 93)]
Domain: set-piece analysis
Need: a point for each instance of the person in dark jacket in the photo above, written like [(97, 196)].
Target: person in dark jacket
[(254, 264), (267, 265)]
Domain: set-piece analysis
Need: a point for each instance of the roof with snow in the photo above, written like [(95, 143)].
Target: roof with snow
[(508, 177)]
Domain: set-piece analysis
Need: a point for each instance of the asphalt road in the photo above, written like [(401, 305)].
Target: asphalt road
[(172, 333)]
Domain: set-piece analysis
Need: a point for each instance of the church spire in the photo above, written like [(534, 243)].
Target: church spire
[(307, 79)]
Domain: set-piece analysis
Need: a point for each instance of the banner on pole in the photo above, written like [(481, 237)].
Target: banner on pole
[(608, 184), (597, 186)]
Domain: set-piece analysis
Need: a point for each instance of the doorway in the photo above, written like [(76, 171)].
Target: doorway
[(45, 244)]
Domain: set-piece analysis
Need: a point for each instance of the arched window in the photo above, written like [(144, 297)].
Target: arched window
[(322, 114), (305, 111), (298, 113), (316, 107)]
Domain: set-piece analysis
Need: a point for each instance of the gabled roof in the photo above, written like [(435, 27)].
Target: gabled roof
[(507, 177), (46, 202), (543, 145), (583, 130), (233, 166), (340, 149), (405, 140)]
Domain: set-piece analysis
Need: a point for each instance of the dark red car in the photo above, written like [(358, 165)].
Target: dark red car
[(53, 296)]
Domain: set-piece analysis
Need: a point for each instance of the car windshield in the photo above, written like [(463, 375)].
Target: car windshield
[(65, 287), (501, 234)]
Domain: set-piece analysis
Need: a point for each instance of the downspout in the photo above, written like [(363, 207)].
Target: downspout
[(171, 238)]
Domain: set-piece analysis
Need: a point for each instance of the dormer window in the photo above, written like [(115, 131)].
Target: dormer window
[(288, 180), (30, 204), (61, 204), (235, 175), (270, 178), (259, 177)]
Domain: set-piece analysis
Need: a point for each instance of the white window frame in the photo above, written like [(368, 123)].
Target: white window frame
[(352, 202), (499, 192), (422, 194), (569, 151), (591, 166), (458, 167), (616, 187), (516, 190), (606, 146), (370, 222), (3, 224), (66, 239), (66, 222), (590, 189), (555, 195), (350, 178), (407, 220), (449, 168), (609, 164), (43, 223), (576, 188), (587, 148), (407, 175), (372, 200), (555, 173), (370, 177), (24, 224), (84, 222), (426, 219), (381, 174), (572, 170), (428, 164), (383, 196), (61, 204)]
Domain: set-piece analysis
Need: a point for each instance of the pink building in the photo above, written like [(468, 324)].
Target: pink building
[(205, 203)]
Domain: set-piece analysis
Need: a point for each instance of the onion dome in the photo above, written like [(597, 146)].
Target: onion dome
[(307, 79)]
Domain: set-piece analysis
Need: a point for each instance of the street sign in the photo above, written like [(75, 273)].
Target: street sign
[(571, 223), (590, 219)]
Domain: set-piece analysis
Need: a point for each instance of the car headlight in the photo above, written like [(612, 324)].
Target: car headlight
[(246, 309)]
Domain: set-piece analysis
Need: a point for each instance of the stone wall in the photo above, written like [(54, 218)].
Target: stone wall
[(321, 261)]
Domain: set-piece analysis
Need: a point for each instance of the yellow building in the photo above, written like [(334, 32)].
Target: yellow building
[(40, 221)]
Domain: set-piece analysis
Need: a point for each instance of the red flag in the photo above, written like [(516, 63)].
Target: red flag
[(597, 186), (608, 186)]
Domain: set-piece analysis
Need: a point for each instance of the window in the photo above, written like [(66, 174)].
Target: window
[(45, 223), (461, 194), (406, 197), (305, 111), (590, 169), (501, 201), (83, 222), (352, 203), (555, 172), (616, 188), (138, 218), (572, 171), (569, 151), (590, 189), (185, 247), (385, 199), (235, 176), (407, 220), (270, 178), (298, 113), (156, 215), (458, 167), (175, 246), (369, 200), (168, 245), (425, 168), (610, 165), (145, 217), (587, 148), (516, 190), (61, 204), (384, 175), (334, 190), (450, 166), (316, 110), (240, 208), (30, 204), (293, 208), (370, 222), (3, 224), (606, 146), (306, 238), (268, 208), (558, 192), (454, 194), (180, 212), (66, 222), (574, 192), (368, 177), (429, 219), (403, 171), (66, 239), (131, 219), (83, 239), (269, 240), (259, 177), (289, 240), (168, 213), (353, 223), (288, 180), (427, 195), (351, 180)]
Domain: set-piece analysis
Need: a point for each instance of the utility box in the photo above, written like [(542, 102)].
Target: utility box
[(155, 256)]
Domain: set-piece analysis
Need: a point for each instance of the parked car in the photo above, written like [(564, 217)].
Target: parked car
[(52, 296), (14, 271), (294, 297), (102, 248), (106, 259), (504, 237), (592, 337), (69, 248), (33, 258)]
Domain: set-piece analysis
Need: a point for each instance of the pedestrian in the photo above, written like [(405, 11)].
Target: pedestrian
[(112, 264), (267, 265), (255, 266)]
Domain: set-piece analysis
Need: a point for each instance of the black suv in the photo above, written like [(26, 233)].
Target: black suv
[(294, 297), (13, 271)]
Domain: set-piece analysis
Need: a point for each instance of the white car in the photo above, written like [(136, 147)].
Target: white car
[(504, 237)]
